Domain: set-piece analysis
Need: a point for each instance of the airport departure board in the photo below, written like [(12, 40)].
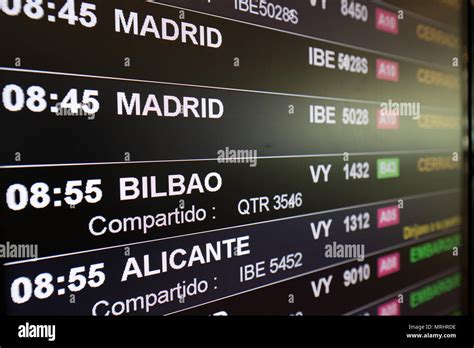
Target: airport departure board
[(232, 157)]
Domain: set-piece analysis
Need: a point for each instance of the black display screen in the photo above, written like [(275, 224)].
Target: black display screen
[(233, 157)]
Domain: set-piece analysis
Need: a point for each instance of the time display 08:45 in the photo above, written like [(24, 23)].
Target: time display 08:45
[(39, 9)]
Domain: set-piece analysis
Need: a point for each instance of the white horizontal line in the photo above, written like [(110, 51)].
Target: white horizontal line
[(406, 289), (242, 90), (412, 60), (399, 246), (375, 153), (418, 196), (45, 72)]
